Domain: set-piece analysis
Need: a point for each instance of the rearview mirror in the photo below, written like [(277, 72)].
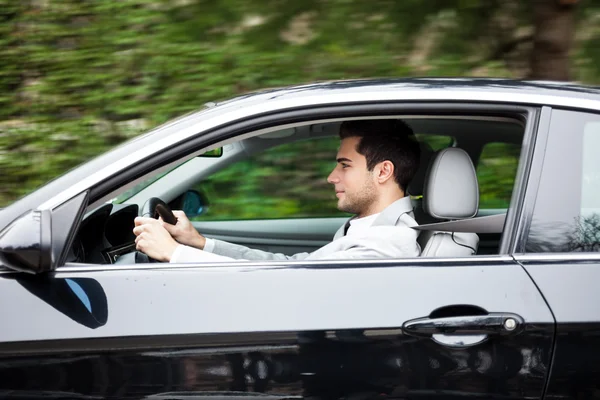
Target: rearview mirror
[(218, 152)]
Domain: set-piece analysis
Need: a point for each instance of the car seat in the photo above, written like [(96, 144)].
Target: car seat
[(450, 192)]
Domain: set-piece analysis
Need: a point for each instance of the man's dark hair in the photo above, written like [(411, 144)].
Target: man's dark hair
[(386, 139)]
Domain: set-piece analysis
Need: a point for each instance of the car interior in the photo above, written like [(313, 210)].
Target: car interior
[(474, 160)]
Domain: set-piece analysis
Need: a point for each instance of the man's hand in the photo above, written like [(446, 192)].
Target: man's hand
[(153, 240), (184, 232)]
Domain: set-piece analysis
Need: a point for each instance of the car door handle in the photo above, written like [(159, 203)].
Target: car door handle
[(492, 323)]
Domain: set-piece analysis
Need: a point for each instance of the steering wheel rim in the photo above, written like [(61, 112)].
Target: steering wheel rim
[(155, 208)]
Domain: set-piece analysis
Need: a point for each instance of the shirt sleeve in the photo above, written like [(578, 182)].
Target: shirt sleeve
[(176, 254), (209, 245), (187, 254)]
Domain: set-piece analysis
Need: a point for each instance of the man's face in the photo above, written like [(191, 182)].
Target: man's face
[(354, 185)]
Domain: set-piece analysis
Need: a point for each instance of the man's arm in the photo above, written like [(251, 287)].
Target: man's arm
[(245, 253), (185, 233), (377, 242)]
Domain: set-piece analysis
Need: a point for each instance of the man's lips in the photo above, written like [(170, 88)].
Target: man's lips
[(339, 192)]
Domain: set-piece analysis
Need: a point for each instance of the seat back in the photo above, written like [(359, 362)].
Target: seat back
[(417, 184), (450, 192)]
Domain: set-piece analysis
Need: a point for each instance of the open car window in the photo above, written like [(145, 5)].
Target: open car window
[(286, 181), (281, 177)]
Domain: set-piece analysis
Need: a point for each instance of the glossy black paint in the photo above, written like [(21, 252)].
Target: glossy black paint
[(26, 243), (576, 363), (316, 365), (122, 334), (571, 290)]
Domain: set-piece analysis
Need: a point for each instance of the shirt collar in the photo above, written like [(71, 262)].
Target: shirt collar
[(364, 221), (391, 214)]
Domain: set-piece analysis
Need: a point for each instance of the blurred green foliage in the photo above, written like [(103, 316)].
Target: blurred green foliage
[(78, 77), (289, 181), (282, 182), (496, 173)]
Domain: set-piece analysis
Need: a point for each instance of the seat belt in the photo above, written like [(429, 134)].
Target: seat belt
[(486, 224)]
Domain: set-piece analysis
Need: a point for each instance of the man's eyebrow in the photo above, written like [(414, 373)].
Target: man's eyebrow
[(343, 159)]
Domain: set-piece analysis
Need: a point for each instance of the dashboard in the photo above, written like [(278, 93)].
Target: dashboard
[(105, 234)]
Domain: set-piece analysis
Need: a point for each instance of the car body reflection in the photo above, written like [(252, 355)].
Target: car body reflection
[(316, 365)]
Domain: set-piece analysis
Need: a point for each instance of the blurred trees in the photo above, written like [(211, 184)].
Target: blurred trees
[(554, 31), (79, 76)]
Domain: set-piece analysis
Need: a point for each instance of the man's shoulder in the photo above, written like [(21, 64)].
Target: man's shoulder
[(396, 213)]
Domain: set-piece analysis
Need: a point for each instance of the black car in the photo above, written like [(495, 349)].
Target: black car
[(83, 315)]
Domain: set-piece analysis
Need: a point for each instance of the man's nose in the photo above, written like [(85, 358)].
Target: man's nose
[(332, 178)]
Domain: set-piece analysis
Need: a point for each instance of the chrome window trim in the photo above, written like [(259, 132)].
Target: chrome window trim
[(314, 100), (556, 257), (417, 262)]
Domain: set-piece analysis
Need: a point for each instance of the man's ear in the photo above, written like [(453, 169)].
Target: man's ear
[(385, 171)]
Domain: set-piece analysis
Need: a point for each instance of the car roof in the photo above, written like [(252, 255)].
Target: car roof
[(564, 90)]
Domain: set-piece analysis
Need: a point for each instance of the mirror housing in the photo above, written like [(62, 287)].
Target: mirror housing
[(33, 244), (194, 203), (26, 244)]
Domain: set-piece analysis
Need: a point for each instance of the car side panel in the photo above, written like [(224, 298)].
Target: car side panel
[(334, 364), (300, 330)]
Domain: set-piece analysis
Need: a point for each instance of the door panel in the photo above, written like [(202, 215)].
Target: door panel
[(296, 329)]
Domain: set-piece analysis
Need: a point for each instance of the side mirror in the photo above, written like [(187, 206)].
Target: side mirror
[(194, 203), (33, 243), (26, 244)]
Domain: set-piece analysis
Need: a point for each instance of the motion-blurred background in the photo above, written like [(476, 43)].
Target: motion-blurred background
[(78, 77)]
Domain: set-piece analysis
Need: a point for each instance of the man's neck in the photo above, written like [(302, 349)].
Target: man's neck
[(383, 203)]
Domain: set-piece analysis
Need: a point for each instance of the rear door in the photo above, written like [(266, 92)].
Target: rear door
[(560, 247)]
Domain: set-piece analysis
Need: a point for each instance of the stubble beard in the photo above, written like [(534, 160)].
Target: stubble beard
[(359, 202)]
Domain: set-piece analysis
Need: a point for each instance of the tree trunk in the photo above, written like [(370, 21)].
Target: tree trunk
[(554, 23)]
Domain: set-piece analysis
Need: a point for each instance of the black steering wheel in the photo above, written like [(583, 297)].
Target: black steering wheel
[(155, 208)]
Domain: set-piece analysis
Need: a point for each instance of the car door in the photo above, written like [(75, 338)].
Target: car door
[(409, 328), (404, 329), (560, 244)]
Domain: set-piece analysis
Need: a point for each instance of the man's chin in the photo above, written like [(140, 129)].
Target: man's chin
[(344, 207)]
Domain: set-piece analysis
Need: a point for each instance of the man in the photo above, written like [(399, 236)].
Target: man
[(375, 163)]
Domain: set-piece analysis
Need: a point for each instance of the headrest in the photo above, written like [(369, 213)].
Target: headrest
[(451, 190), (415, 187)]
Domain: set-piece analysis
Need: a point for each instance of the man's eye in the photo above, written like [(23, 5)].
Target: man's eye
[(345, 165)]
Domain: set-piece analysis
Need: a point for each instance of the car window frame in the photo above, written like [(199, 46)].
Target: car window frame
[(204, 139)]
